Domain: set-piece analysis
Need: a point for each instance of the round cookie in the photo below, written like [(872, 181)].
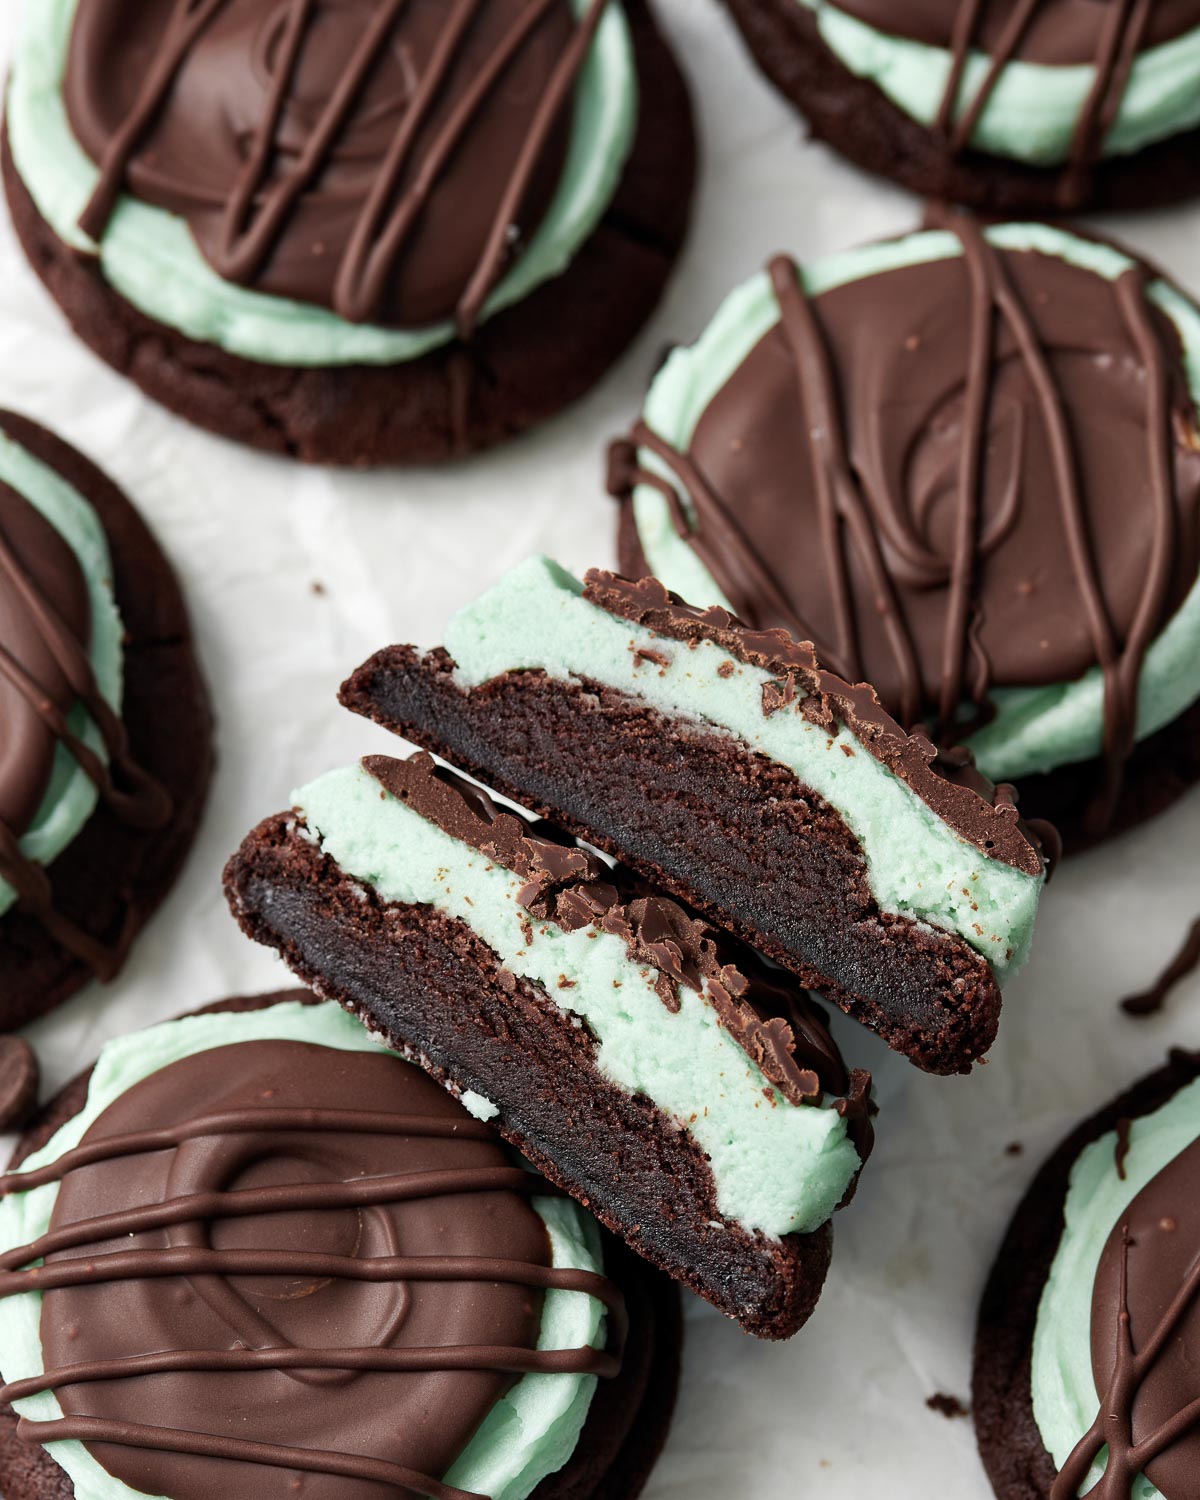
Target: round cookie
[(442, 338), (994, 520), (621, 1426), (1011, 1441), (1038, 108), (97, 812)]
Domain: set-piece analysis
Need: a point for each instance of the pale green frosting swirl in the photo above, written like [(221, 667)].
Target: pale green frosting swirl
[(1065, 1399), (1035, 729), (778, 1167), (530, 1433), (149, 256), (1032, 113), (71, 796)]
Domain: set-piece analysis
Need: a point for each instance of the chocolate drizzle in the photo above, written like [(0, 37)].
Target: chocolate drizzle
[(388, 165), (279, 1215), (1150, 1002), (1053, 33), (775, 1022), (45, 670), (962, 531), (1145, 1324)]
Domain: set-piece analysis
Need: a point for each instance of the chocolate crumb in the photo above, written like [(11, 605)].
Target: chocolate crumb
[(947, 1406)]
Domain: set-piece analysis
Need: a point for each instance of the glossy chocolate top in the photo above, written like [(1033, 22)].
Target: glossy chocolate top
[(275, 1266), (388, 159), (974, 473), (1145, 1335)]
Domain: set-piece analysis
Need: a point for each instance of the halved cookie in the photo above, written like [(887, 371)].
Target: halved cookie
[(692, 1099), (730, 767)]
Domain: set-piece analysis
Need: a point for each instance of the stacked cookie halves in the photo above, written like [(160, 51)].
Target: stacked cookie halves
[(610, 1015)]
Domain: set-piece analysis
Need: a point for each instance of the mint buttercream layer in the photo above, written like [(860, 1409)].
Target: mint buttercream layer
[(1033, 112), (530, 1433), (71, 795), (1065, 1399), (778, 1167), (536, 618), (1035, 729), (148, 255)]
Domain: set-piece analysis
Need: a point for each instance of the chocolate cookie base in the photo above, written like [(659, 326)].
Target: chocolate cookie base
[(718, 826), (111, 874), (438, 993), (856, 118), (1161, 769), (629, 1416), (523, 366), (1010, 1442)]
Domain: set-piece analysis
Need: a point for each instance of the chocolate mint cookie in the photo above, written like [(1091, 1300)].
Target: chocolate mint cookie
[(272, 1257), (731, 767), (363, 233), (106, 752), (692, 1099), (1085, 1370), (966, 465), (1007, 105)]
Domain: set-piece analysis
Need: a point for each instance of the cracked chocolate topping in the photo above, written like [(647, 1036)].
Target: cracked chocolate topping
[(776, 1023), (1145, 1336), (45, 671), (948, 782), (387, 159), (320, 1241), (975, 473), (1051, 32)]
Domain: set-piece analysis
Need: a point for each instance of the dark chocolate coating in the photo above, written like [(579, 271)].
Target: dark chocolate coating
[(626, 1424), (259, 75), (1059, 32), (1009, 508), (40, 577), (853, 115), (107, 883), (1010, 1442), (518, 369)]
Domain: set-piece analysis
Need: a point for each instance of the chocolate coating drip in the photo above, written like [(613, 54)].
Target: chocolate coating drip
[(982, 430), (386, 160), (1145, 1337), (774, 1021), (326, 1241), (45, 670)]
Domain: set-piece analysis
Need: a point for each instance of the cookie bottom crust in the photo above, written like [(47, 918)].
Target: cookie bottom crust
[(523, 366), (1010, 1442), (433, 990), (629, 1418), (856, 118), (111, 874)]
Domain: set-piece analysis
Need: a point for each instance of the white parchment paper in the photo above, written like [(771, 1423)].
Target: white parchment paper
[(839, 1413)]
